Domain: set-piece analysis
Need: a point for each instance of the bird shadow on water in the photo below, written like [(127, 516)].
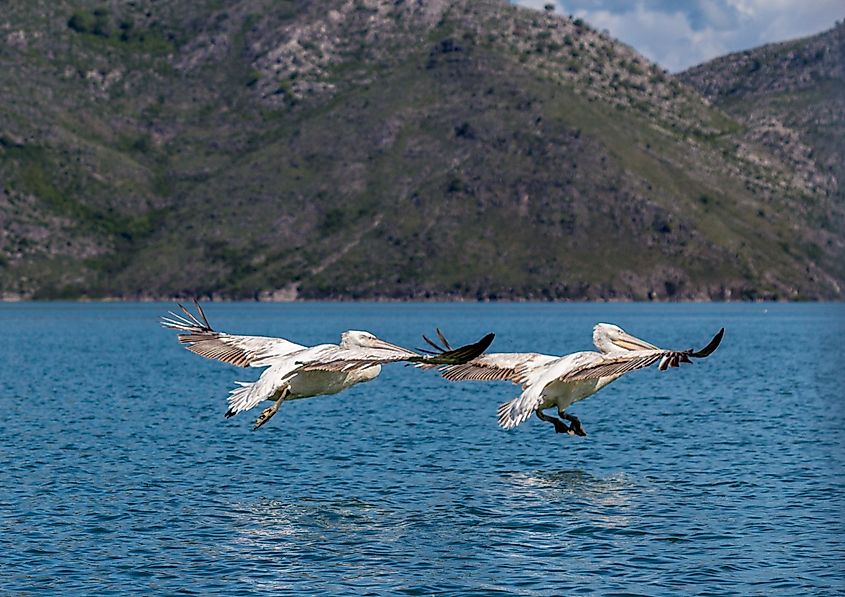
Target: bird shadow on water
[(307, 520), (577, 495), (568, 481)]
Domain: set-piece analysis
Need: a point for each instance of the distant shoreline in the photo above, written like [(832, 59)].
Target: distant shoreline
[(217, 299)]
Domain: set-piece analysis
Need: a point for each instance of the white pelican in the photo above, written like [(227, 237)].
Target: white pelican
[(549, 381), (295, 371)]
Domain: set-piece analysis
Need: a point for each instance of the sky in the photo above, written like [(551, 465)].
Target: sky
[(680, 34)]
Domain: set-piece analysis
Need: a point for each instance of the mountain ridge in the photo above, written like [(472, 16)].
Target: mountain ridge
[(379, 150)]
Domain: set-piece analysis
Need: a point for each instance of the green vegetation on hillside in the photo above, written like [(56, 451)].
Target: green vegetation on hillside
[(381, 149)]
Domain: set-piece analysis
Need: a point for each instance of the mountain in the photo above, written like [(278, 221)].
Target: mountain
[(383, 149), (791, 99)]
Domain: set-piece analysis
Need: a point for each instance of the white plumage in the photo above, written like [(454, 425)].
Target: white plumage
[(550, 381), (295, 371)]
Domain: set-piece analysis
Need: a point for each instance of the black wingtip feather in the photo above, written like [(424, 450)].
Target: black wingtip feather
[(433, 344), (201, 313), (190, 315), (443, 338), (711, 346), (459, 355)]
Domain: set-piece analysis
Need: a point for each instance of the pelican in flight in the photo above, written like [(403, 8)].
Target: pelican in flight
[(295, 371), (550, 381)]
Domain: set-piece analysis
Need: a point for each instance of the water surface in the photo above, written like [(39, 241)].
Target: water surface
[(119, 474)]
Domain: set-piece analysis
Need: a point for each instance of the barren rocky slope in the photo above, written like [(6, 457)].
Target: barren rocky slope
[(791, 98)]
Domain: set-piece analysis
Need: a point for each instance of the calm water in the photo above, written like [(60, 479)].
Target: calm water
[(119, 474)]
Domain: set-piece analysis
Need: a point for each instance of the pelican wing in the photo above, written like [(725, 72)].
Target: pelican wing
[(590, 365), (503, 366), (619, 364), (616, 365), (242, 351), (350, 359)]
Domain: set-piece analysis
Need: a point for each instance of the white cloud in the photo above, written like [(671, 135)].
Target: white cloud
[(666, 38), (680, 34), (779, 19), (716, 14)]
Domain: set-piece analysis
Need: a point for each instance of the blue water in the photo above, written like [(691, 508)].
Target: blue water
[(119, 474)]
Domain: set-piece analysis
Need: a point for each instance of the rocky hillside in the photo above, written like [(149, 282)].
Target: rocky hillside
[(372, 148), (791, 98)]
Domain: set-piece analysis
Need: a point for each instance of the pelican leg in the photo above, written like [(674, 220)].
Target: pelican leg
[(268, 412), (560, 426), (576, 427)]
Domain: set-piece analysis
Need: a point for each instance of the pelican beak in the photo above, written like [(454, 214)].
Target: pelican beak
[(628, 342), (379, 343)]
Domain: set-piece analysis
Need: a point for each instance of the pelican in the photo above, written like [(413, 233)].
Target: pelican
[(550, 381), (295, 371)]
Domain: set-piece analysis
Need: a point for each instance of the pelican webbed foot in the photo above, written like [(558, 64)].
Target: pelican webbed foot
[(268, 412), (576, 427), (560, 426)]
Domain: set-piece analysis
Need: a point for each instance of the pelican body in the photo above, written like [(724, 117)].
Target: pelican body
[(558, 382), (306, 384), (294, 371), (306, 372)]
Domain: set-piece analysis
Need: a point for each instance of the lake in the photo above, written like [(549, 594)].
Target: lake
[(120, 475)]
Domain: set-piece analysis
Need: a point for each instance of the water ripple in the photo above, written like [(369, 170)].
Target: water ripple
[(120, 475)]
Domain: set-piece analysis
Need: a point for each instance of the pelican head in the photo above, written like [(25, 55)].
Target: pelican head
[(358, 339), (610, 338)]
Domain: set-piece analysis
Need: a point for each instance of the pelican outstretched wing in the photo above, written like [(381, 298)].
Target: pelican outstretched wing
[(593, 365), (618, 364), (502, 366), (350, 359), (242, 351)]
